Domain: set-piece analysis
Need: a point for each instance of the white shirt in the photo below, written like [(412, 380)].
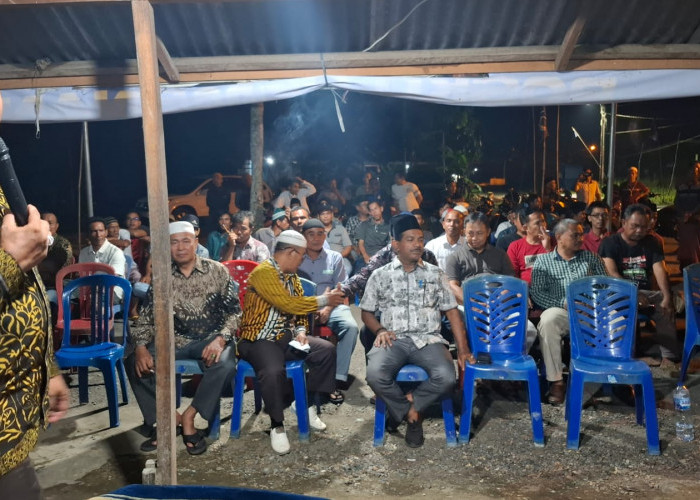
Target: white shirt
[(442, 248), (406, 196), (107, 254), (285, 197), (502, 227)]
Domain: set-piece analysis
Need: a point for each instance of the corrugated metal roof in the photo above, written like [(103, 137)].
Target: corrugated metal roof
[(103, 32)]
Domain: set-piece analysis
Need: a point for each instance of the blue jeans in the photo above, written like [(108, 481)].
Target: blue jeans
[(343, 325)]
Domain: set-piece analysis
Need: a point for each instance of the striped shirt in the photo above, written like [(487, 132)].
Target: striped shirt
[(274, 302), (551, 275)]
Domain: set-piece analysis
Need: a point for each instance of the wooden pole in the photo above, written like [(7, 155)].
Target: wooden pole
[(257, 142), (611, 154), (154, 142)]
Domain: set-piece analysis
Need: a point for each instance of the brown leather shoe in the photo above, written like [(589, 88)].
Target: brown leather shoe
[(557, 392)]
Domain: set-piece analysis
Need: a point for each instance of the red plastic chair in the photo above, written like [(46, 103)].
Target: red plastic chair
[(80, 325), (239, 271)]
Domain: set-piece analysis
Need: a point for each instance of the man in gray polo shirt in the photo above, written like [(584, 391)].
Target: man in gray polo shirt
[(325, 268)]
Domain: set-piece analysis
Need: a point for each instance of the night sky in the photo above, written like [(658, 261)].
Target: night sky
[(304, 136)]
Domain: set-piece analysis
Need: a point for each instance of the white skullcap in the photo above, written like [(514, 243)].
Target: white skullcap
[(291, 237), (181, 227), (461, 209)]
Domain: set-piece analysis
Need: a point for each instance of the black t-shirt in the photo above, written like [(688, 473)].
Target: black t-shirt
[(218, 199), (634, 263)]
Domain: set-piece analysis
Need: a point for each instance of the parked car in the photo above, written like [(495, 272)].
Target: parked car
[(195, 202)]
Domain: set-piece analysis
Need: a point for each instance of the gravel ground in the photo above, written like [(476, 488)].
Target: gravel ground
[(499, 462)]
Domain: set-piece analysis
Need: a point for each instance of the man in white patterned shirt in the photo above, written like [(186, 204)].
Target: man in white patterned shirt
[(410, 295)]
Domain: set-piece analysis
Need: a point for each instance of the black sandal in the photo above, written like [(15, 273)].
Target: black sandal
[(151, 444), (336, 397), (199, 444)]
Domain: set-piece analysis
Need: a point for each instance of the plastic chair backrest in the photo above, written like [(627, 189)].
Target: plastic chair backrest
[(81, 269), (691, 290), (602, 316), (495, 308), (309, 287), (100, 287), (239, 271)]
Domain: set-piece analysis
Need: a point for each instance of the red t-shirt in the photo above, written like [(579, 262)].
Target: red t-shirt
[(591, 242), (523, 255)]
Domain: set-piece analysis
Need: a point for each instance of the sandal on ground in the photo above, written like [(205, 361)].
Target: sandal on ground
[(199, 444), (336, 397), (649, 361), (151, 444)]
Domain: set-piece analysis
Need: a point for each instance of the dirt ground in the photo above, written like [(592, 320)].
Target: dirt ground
[(81, 457)]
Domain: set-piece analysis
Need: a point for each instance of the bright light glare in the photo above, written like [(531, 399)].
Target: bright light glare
[(269, 160)]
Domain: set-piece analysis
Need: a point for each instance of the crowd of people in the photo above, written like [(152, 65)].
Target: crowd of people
[(354, 243)]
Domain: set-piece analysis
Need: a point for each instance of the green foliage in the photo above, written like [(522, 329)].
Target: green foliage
[(463, 146)]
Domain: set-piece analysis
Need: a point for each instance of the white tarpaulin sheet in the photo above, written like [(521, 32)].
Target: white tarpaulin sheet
[(503, 89)]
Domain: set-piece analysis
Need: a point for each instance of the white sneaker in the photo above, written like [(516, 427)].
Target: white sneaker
[(279, 441), (315, 422)]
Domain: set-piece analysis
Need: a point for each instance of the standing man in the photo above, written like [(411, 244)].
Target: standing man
[(551, 274), (588, 189), (407, 197), (598, 213), (634, 255), (443, 246), (241, 245), (60, 255), (633, 190), (336, 235), (218, 196), (267, 235), (206, 312), (275, 314), (33, 393), (373, 234), (101, 250), (524, 252), (325, 268), (297, 217), (410, 295), (296, 188)]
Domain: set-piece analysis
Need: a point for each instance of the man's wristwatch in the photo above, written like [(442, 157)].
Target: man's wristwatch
[(226, 336)]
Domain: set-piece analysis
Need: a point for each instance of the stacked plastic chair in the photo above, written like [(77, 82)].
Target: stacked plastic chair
[(691, 287), (602, 318), (495, 310), (97, 350)]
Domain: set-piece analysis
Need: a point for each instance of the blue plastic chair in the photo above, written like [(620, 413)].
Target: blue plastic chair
[(308, 286), (296, 370), (191, 367), (414, 373), (495, 308), (98, 351), (691, 287), (602, 318)]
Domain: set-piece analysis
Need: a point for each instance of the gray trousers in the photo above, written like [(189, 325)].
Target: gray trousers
[(385, 362), (21, 483), (206, 398)]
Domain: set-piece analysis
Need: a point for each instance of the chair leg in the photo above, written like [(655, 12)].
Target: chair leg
[(83, 385), (379, 421), (178, 389), (122, 381), (298, 376), (215, 423), (535, 400), (639, 403), (448, 415), (237, 412), (258, 396), (652, 423), (687, 355), (574, 403), (465, 421), (108, 370)]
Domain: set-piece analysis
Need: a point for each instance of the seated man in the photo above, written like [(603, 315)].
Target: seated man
[(201, 249), (634, 255), (241, 245), (219, 239), (447, 243), (60, 255), (410, 295), (206, 312), (551, 274), (101, 250), (336, 235), (117, 236), (267, 235), (523, 252), (275, 314), (325, 268)]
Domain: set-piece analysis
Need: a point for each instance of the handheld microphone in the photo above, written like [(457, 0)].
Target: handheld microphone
[(10, 186)]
